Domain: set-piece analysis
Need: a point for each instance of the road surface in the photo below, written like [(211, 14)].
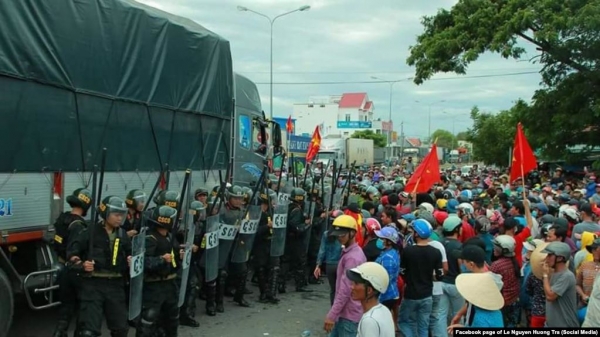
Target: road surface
[(295, 313)]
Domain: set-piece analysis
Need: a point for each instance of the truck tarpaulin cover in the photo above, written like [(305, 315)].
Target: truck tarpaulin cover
[(80, 75)]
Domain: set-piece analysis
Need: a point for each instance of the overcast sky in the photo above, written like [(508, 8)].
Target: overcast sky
[(351, 41)]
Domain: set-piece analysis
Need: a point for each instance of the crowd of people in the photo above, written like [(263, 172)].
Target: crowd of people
[(476, 251)]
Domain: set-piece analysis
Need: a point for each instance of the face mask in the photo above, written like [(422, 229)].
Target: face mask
[(578, 244), (534, 214), (464, 269), (380, 244)]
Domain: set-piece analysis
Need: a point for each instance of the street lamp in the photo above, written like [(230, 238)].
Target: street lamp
[(391, 83), (429, 126), (272, 21)]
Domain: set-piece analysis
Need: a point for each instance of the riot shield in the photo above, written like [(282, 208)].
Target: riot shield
[(284, 195), (245, 238), (136, 272), (228, 229), (280, 213), (210, 258), (187, 257), (337, 201), (310, 214)]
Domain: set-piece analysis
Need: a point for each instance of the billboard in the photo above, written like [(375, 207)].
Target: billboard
[(354, 125)]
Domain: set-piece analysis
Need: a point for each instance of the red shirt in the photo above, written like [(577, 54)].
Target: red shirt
[(467, 232), (519, 239), (510, 290)]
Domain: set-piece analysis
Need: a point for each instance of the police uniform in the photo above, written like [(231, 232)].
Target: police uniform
[(102, 291), (188, 309), (295, 247), (68, 226), (238, 272), (267, 267), (161, 286)]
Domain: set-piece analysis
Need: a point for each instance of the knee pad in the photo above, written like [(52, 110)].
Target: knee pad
[(223, 274), (87, 333), (276, 269), (150, 316)]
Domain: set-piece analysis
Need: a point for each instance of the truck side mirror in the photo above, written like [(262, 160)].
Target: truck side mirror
[(276, 135)]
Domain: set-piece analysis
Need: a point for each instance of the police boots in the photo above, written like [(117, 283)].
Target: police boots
[(211, 294), (261, 278), (240, 291), (272, 286), (61, 329)]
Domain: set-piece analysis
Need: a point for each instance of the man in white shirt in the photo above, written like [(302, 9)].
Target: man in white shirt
[(369, 280)]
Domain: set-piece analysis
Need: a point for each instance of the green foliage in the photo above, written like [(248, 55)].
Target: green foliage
[(379, 140), (444, 138), (493, 135), (462, 135), (566, 35)]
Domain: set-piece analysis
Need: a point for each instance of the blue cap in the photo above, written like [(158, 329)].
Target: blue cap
[(422, 228), (451, 206)]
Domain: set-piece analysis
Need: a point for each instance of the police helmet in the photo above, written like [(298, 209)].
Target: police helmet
[(167, 198), (111, 204), (298, 195), (199, 192), (82, 198), (135, 198), (235, 192), (164, 216)]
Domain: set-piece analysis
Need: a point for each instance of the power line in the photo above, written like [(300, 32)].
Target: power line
[(361, 72), (402, 80)]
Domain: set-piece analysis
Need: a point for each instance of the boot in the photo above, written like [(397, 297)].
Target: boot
[(61, 329), (272, 286), (211, 293), (189, 308), (220, 294), (240, 291), (301, 282), (262, 284)]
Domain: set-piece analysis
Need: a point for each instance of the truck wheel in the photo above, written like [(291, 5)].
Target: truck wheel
[(6, 304)]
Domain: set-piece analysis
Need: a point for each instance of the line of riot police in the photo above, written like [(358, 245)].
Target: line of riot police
[(138, 268)]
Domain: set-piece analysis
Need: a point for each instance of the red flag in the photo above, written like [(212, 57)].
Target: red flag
[(315, 145), (523, 159), (289, 126), (426, 174)]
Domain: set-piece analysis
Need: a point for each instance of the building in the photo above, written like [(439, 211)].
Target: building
[(338, 115)]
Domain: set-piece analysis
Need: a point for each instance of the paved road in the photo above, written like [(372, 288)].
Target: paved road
[(294, 314)]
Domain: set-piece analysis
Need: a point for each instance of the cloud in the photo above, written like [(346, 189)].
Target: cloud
[(351, 41)]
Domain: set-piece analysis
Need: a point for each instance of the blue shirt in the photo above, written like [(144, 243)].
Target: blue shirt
[(486, 318), (329, 250), (390, 260), (488, 239)]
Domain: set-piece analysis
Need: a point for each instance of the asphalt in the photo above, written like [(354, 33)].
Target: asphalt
[(296, 313)]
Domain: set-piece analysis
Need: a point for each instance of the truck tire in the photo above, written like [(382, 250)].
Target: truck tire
[(6, 304)]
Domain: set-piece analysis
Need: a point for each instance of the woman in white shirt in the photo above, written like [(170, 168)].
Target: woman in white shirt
[(369, 280)]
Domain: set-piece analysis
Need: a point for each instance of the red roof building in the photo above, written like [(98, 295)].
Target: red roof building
[(353, 101)]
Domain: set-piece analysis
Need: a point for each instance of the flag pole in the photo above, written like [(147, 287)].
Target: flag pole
[(528, 218)]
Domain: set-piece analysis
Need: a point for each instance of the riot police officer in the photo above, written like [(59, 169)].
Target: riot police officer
[(318, 227), (161, 262), (297, 227), (102, 291), (238, 272), (188, 310), (267, 267), (201, 195), (68, 226), (135, 200)]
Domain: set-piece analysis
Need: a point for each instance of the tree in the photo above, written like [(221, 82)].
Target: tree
[(492, 135), (565, 33), (379, 140), (462, 135), (444, 138)]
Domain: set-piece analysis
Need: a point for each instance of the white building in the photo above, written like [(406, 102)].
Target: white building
[(338, 116)]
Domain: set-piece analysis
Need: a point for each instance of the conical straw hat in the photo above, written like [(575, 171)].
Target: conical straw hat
[(481, 290)]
